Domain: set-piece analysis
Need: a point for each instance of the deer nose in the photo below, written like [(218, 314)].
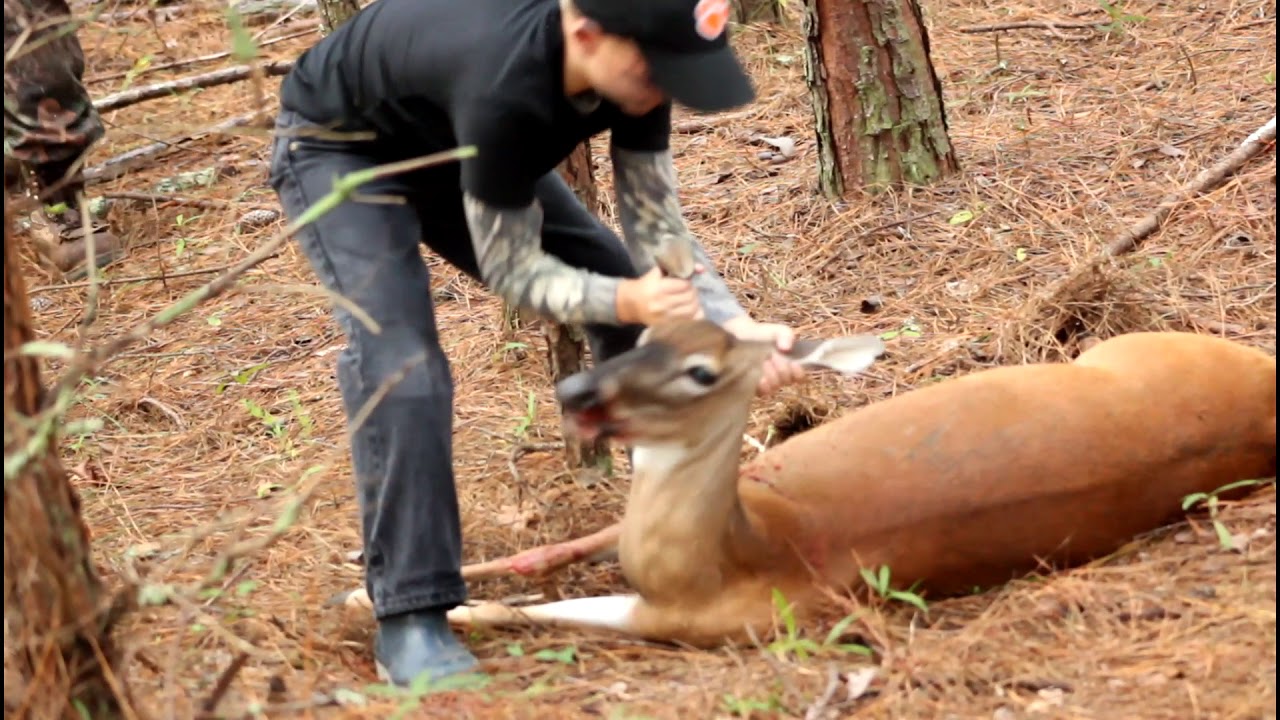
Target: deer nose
[(578, 393)]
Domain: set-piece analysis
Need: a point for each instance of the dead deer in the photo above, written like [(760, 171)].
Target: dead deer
[(968, 482)]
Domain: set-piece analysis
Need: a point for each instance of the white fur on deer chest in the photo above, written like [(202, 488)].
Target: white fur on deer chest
[(656, 461)]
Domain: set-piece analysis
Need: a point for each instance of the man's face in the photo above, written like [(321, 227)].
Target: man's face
[(616, 69)]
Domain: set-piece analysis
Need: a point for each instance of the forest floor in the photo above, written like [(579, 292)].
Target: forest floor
[(1066, 137)]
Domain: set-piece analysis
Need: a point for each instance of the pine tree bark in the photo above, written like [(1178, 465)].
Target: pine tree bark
[(335, 12), (567, 345), (59, 653), (878, 108)]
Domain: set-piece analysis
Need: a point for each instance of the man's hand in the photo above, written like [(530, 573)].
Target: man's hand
[(779, 370), (651, 297)]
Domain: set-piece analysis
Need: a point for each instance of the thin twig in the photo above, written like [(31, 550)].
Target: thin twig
[(139, 278), (819, 706), (136, 95), (116, 166), (208, 204), (198, 60), (362, 415), (1031, 25), (223, 684), (91, 268)]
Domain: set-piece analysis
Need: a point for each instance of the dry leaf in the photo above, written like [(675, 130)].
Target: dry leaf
[(514, 517), (858, 682), (784, 145)]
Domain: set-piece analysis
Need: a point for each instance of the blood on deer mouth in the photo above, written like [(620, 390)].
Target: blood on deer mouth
[(594, 422)]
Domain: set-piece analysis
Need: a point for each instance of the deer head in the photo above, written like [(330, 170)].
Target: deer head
[(688, 374)]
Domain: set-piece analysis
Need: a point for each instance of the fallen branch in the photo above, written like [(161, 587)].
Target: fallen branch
[(116, 166), (205, 203), (1050, 25), (1127, 241), (217, 77), (696, 125), (198, 60), (148, 14), (138, 278), (1207, 180)]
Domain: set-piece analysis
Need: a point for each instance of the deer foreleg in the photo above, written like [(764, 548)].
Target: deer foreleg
[(534, 562), (609, 612)]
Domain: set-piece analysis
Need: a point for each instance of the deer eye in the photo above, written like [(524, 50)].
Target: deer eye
[(702, 375)]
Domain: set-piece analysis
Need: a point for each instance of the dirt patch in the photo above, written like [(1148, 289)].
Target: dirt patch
[(1065, 137)]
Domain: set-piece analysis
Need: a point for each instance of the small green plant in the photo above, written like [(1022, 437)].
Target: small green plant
[(1210, 500), (878, 580), (792, 642), (530, 415), (241, 377), (910, 328), (139, 66), (746, 707), (509, 347), (1119, 18), (278, 428), (274, 425), (424, 686), (180, 245), (565, 656)]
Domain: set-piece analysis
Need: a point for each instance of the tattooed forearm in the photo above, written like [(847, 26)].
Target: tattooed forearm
[(653, 227), (508, 245)]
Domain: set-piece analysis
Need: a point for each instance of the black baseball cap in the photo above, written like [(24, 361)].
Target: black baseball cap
[(686, 43)]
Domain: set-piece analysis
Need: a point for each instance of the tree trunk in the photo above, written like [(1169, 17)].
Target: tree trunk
[(878, 110), (746, 12), (57, 628), (579, 171), (567, 346), (335, 12)]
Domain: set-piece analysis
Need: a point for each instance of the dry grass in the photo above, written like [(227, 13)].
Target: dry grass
[(1065, 138)]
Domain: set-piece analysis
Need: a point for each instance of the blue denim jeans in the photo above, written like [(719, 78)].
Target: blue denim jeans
[(368, 252)]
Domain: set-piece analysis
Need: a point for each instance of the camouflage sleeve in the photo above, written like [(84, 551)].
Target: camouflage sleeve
[(508, 247), (649, 211), (49, 116)]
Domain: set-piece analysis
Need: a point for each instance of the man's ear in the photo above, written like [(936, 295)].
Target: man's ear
[(586, 33)]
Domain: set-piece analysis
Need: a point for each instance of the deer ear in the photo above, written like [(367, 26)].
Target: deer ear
[(846, 355)]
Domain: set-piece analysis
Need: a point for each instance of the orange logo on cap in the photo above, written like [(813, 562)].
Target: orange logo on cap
[(711, 17)]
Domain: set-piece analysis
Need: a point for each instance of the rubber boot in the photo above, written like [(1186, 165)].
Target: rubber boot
[(410, 646)]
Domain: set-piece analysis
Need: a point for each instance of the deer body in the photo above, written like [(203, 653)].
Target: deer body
[(974, 480), (962, 484)]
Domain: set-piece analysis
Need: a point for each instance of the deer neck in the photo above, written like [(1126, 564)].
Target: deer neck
[(683, 509)]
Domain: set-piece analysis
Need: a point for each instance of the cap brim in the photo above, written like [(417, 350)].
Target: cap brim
[(704, 82)]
